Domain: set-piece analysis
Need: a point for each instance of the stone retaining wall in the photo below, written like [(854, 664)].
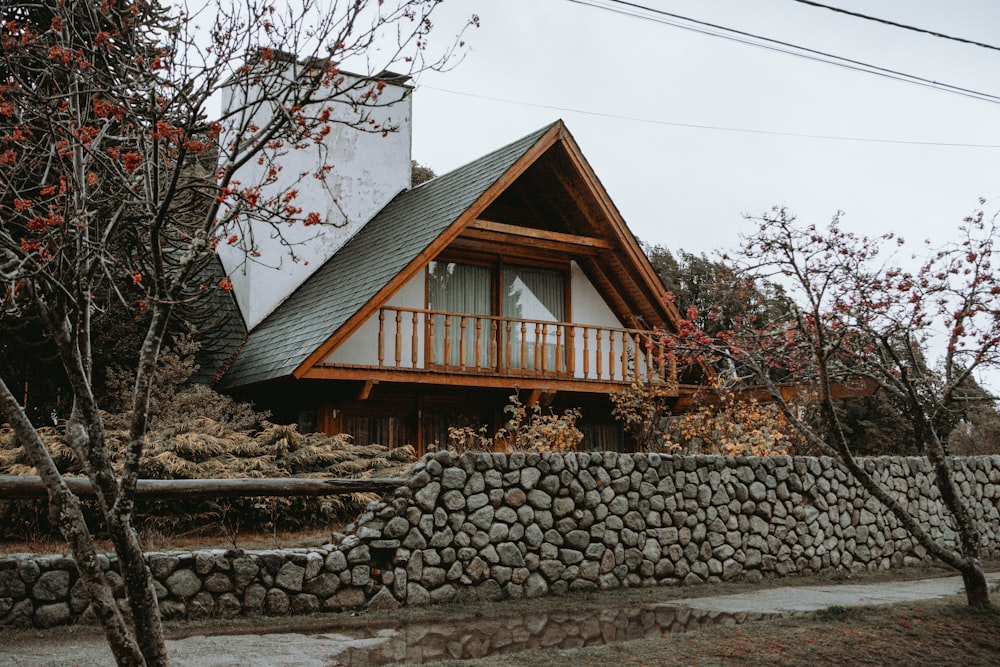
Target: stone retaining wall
[(523, 525)]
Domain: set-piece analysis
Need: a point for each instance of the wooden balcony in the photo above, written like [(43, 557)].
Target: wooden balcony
[(486, 350)]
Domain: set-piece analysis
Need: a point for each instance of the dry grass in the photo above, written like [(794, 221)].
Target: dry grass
[(202, 449)]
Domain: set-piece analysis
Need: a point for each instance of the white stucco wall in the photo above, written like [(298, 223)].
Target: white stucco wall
[(362, 347), (369, 169), (590, 308)]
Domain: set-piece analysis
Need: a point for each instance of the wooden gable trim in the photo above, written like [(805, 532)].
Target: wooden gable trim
[(545, 142), (571, 243), (636, 257)]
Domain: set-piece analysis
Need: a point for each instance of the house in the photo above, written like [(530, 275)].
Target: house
[(429, 306)]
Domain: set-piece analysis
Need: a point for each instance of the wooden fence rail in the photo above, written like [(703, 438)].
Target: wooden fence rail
[(17, 487)]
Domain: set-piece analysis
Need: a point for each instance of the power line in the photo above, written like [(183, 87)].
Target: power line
[(635, 10), (840, 10), (720, 128)]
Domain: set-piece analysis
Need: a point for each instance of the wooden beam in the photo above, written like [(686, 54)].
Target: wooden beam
[(451, 379), (533, 397), (533, 236), (13, 486), (366, 389), (504, 241)]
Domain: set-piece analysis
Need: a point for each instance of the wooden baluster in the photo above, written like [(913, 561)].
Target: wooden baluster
[(661, 367), (586, 353), (599, 355), (494, 343), (560, 355), (399, 338), (381, 337), (462, 319), (507, 346), (413, 341), (625, 342), (611, 355), (429, 322), (524, 345), (447, 341), (571, 350), (540, 330), (479, 342)]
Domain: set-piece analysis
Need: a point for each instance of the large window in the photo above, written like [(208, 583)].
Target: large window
[(530, 300), (533, 297), (465, 290)]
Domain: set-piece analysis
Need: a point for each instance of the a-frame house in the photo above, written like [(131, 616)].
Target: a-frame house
[(513, 273)]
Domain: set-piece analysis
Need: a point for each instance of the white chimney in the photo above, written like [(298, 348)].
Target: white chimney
[(366, 170)]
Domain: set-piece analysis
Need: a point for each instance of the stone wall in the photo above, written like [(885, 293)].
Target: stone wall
[(499, 526)]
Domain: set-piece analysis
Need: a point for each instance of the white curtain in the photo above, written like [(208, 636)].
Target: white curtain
[(462, 289)]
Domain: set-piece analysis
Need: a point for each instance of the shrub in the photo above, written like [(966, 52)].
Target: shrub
[(528, 429)]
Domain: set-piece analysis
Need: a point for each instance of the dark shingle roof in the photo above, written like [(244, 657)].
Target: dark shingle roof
[(366, 263)]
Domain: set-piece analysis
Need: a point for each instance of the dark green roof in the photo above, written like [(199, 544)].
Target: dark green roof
[(367, 263)]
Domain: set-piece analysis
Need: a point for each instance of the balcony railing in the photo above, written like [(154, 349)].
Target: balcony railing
[(430, 340)]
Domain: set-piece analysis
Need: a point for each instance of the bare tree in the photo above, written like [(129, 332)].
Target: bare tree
[(117, 182), (855, 319)]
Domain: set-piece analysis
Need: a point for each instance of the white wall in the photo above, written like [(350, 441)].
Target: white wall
[(362, 347), (590, 308), (369, 169)]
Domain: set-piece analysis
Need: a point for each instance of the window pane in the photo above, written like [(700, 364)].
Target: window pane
[(461, 289), (538, 295)]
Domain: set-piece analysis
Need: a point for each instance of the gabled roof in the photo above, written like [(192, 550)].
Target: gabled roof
[(382, 255)]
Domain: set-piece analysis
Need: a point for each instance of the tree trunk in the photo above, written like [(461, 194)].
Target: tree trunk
[(977, 592)]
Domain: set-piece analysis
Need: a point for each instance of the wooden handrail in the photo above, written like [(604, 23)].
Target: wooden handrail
[(19, 487), (517, 346)]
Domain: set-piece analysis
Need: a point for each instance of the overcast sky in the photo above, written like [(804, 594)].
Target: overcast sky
[(629, 89), (622, 83)]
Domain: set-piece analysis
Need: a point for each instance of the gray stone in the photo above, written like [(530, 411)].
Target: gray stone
[(417, 594), (453, 478), (323, 585), (562, 506), (482, 518), (218, 582), (253, 598), (304, 603), (453, 500), (361, 575), (510, 555), (11, 585), (228, 605), (335, 562), (51, 586), (245, 570), (348, 598), (183, 583), (276, 602), (426, 498), (539, 499), (290, 577), (535, 586), (384, 599), (49, 615)]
